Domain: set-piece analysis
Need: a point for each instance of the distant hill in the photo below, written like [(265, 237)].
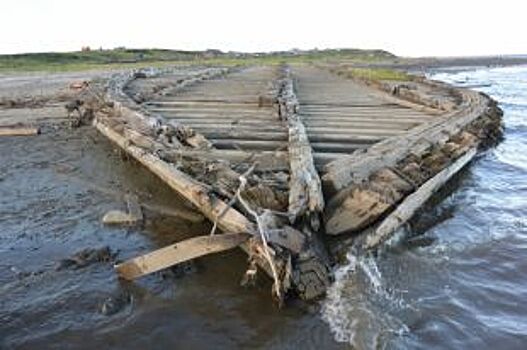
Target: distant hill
[(94, 59)]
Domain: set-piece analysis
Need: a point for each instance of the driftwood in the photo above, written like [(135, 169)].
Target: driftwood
[(413, 202), (305, 191), (18, 131), (179, 252)]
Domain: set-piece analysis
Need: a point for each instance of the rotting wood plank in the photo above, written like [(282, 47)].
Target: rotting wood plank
[(202, 103), (305, 191), (226, 130), (419, 153), (339, 174), (311, 123), (415, 201), (244, 135), (246, 145), (195, 192), (263, 161)]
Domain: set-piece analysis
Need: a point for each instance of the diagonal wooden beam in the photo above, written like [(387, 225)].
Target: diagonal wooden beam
[(416, 200), (179, 252)]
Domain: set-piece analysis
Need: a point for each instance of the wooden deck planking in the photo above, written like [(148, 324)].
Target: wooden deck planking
[(340, 115), (329, 102)]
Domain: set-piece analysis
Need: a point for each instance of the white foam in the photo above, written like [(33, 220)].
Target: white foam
[(357, 305)]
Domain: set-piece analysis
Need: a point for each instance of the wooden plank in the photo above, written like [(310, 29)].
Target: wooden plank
[(191, 103), (380, 112), (352, 130), (271, 124), (227, 115), (250, 144), (203, 112), (228, 130), (18, 131), (363, 205), (228, 126), (416, 200), (344, 148), (195, 192), (351, 138), (177, 253), (245, 135)]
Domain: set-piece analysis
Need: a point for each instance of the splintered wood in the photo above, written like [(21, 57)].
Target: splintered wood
[(277, 157), (416, 200), (210, 182), (305, 191)]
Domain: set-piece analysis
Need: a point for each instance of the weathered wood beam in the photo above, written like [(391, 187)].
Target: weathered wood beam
[(197, 193), (305, 191), (179, 252), (18, 131), (416, 200), (246, 135), (368, 185)]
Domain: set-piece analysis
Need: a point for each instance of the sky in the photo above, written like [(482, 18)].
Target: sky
[(404, 27)]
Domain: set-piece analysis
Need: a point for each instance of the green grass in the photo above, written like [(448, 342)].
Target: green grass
[(375, 74), (135, 58)]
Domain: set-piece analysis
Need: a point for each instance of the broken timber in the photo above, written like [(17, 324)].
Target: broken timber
[(365, 186), (373, 190), (305, 190), (155, 143), (413, 202)]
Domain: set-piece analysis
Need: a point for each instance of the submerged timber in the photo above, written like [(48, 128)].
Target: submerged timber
[(279, 158)]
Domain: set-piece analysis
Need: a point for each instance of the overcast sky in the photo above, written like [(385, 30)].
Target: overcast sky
[(404, 27)]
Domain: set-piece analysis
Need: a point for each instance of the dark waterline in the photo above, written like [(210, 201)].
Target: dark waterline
[(457, 283)]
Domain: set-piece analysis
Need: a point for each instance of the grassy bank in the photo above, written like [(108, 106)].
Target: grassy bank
[(375, 74), (134, 58)]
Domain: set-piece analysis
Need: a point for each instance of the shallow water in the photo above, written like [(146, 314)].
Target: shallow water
[(457, 279), (456, 282), (54, 190)]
